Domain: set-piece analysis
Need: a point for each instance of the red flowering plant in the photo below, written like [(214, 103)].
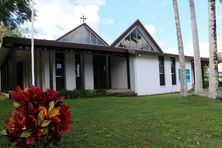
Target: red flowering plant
[(39, 119)]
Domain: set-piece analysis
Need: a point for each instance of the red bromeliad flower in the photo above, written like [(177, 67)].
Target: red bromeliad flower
[(40, 117)]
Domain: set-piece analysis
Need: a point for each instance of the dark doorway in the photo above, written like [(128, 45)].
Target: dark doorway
[(59, 59), (100, 72), (20, 75)]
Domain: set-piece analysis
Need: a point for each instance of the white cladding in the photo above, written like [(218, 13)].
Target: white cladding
[(89, 78), (147, 76), (70, 75), (118, 73), (144, 73)]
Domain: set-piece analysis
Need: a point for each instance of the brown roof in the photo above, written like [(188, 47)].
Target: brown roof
[(9, 41), (53, 44), (136, 23)]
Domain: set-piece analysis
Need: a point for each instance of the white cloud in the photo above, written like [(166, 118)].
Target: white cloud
[(56, 17), (108, 21), (151, 29)]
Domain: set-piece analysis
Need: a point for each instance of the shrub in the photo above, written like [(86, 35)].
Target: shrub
[(39, 119), (84, 93)]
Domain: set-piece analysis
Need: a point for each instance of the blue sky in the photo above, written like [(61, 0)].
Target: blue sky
[(109, 18)]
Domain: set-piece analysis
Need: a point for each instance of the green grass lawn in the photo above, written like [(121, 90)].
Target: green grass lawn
[(157, 121)]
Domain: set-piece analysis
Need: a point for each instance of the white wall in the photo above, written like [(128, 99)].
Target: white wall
[(70, 77), (89, 78), (132, 73), (147, 76), (118, 73)]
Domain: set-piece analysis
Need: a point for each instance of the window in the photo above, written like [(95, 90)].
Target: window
[(161, 71), (173, 71)]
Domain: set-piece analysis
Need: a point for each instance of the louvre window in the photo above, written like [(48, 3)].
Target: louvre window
[(84, 36), (161, 71), (173, 71), (59, 62)]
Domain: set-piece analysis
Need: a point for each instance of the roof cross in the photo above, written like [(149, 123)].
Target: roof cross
[(83, 18)]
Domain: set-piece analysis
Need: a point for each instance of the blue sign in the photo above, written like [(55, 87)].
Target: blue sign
[(187, 75)]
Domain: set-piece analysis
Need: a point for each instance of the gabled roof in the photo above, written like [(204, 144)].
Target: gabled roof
[(126, 32), (89, 28)]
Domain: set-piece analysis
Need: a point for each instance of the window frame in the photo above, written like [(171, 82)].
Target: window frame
[(161, 68), (173, 74)]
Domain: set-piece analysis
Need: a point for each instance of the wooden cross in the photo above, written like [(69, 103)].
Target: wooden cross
[(83, 18)]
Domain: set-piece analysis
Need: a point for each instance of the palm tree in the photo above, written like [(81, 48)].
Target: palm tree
[(213, 61), (181, 51), (197, 62)]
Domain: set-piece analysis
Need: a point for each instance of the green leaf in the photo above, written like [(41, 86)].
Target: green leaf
[(3, 133), (16, 104), (45, 123), (26, 134)]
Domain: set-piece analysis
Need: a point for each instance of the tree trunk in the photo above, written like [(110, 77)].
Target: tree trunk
[(213, 62), (181, 51), (196, 52)]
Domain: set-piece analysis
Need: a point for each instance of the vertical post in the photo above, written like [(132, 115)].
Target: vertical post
[(107, 72), (202, 71), (50, 69), (32, 46), (13, 69), (82, 71), (128, 71)]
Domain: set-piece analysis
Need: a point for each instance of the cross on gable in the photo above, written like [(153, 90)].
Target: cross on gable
[(83, 18)]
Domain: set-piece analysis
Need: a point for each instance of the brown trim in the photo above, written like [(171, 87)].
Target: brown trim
[(52, 44), (136, 23), (84, 24), (9, 42), (140, 52)]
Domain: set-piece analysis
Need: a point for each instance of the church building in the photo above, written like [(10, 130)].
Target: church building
[(81, 59)]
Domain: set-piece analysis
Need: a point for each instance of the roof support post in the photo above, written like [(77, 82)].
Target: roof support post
[(108, 72), (128, 71), (82, 71), (50, 69), (13, 69)]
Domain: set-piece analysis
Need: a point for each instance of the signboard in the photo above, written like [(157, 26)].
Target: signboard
[(187, 75)]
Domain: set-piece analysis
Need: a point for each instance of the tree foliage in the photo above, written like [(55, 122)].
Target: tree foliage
[(14, 12), (6, 31)]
